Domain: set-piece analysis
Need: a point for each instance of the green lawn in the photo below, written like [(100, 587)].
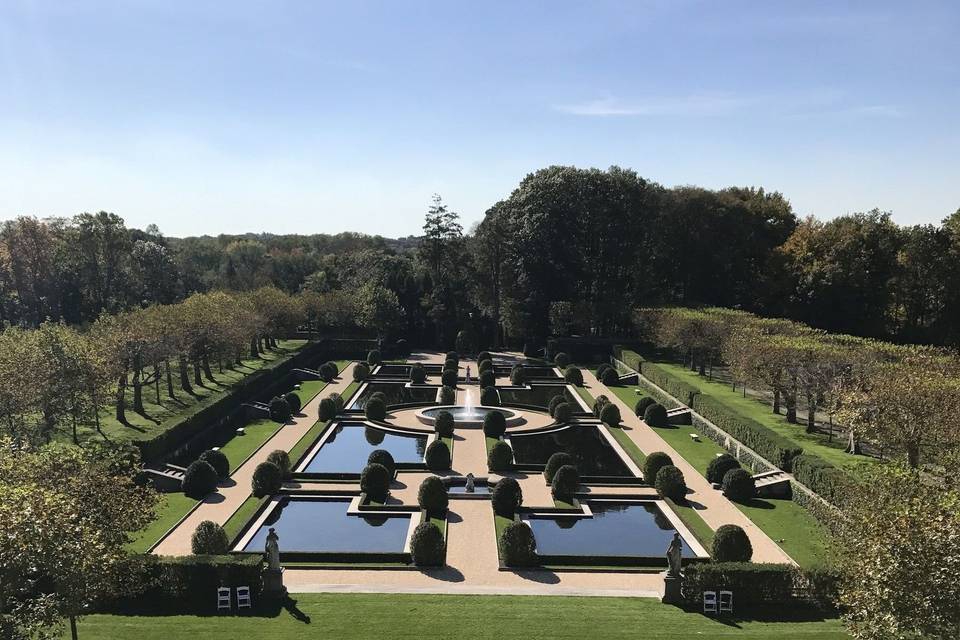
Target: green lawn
[(465, 617), (761, 412), (241, 516), (160, 416)]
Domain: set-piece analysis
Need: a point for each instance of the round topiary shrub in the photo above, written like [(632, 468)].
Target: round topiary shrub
[(488, 379), (506, 497), (610, 414), (641, 407), (603, 367), (294, 401), (426, 545), (494, 424), (731, 544), (375, 409), (218, 461), (448, 395), (280, 409), (573, 376), (656, 416), (451, 365), (489, 397), (267, 479), (484, 355), (209, 538), (328, 409), (562, 360), (652, 464), (500, 457), (562, 412), (337, 400), (375, 482), (432, 495), (199, 479), (518, 377), (671, 484), (361, 371), (437, 457), (610, 377), (565, 483), (554, 462), (719, 466), (485, 365), (739, 485), (599, 404), (418, 375), (554, 401), (383, 457), (328, 371), (518, 546), (453, 355), (378, 395), (373, 357), (443, 424), (449, 378), (281, 458)]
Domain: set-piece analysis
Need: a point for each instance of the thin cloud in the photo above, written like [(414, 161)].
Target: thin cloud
[(701, 105)]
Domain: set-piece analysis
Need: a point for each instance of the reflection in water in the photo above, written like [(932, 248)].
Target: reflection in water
[(616, 529), (324, 526), (347, 448), (395, 393), (593, 453), (538, 396)]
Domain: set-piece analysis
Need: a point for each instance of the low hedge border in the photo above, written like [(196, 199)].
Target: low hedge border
[(755, 584), (679, 389)]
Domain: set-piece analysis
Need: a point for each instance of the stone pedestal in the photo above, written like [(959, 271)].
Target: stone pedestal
[(671, 589), (273, 583)]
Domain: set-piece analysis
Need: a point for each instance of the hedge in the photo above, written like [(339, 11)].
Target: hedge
[(820, 476), (731, 543), (437, 457), (679, 389), (759, 583), (500, 456), (768, 443)]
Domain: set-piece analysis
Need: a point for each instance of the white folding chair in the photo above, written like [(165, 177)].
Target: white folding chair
[(709, 601), (726, 602), (243, 597), (223, 598)]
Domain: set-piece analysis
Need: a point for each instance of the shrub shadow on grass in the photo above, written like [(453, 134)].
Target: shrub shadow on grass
[(795, 612), (757, 503)]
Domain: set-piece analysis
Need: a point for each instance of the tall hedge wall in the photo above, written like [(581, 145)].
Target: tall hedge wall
[(820, 476), (759, 584), (679, 389)]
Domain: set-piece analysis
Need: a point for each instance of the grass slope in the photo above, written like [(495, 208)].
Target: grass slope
[(402, 616)]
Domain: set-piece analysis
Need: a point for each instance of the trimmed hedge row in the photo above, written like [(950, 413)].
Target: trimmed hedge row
[(628, 357), (768, 443), (820, 476), (679, 389), (759, 583)]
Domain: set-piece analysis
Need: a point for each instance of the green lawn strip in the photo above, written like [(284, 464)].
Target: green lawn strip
[(628, 445), (310, 388), (296, 452), (587, 397), (235, 524), (499, 524), (170, 510), (168, 411), (466, 617), (255, 433), (761, 412), (700, 529), (440, 523), (563, 504)]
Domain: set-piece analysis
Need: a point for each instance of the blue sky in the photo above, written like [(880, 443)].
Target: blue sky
[(210, 117)]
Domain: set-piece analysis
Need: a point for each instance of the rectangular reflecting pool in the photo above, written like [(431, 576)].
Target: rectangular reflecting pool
[(322, 525), (592, 451), (638, 529), (537, 396), (346, 449), (395, 393)]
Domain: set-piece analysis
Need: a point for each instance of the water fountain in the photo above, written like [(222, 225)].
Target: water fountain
[(469, 414)]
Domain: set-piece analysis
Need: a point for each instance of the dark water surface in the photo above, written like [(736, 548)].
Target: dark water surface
[(347, 449)]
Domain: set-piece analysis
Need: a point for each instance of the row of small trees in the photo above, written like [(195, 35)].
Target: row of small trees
[(905, 398)]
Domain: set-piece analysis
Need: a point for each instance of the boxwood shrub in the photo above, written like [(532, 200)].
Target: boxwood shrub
[(565, 483), (449, 378), (494, 424), (562, 360), (218, 460), (554, 462), (375, 409), (280, 410), (448, 395), (383, 457), (437, 456), (599, 403), (641, 407), (518, 547), (739, 486), (489, 397), (209, 538), (293, 400), (760, 583), (554, 401), (652, 464), (451, 365), (281, 458), (267, 479), (426, 545), (484, 355), (573, 375), (485, 365), (518, 377), (488, 379), (375, 482), (562, 412), (373, 357), (443, 424), (418, 374), (361, 371), (719, 466), (610, 414), (453, 355), (432, 496), (506, 497), (610, 377), (500, 457), (601, 369), (337, 400), (671, 484), (655, 415), (328, 371), (731, 544), (328, 409), (199, 479)]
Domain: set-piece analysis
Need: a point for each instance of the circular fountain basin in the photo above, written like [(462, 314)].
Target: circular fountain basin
[(469, 416)]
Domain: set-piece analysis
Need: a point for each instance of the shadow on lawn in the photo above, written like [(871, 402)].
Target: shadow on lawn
[(265, 608), (768, 614)]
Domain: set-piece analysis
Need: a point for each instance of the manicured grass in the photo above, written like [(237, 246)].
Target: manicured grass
[(694, 522), (629, 446), (170, 509), (255, 433), (161, 416), (241, 516), (585, 395), (761, 412), (465, 617)]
